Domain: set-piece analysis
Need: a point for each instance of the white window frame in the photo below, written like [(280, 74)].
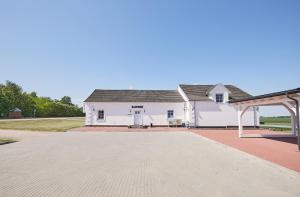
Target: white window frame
[(173, 113), (218, 99), (103, 114)]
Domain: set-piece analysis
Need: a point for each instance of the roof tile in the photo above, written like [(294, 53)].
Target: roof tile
[(100, 95), (199, 92)]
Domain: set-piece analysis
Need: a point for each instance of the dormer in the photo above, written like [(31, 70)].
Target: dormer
[(219, 93)]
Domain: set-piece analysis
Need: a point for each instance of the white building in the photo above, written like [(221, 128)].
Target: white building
[(191, 105)]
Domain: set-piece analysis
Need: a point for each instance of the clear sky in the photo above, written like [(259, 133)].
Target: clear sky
[(71, 47)]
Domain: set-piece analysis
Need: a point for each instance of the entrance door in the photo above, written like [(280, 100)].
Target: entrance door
[(137, 118)]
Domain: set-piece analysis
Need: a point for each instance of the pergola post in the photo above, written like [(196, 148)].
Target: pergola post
[(292, 110), (241, 110), (240, 121), (297, 117), (298, 123), (293, 124)]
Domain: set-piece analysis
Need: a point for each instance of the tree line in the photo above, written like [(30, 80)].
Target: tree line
[(12, 96)]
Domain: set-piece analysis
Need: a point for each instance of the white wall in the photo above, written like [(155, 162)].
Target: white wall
[(119, 113), (210, 113), (219, 89)]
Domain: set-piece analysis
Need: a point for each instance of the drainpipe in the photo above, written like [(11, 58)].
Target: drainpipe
[(297, 115)]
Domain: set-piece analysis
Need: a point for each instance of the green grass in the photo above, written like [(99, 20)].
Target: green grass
[(42, 125), (6, 141), (280, 121), (277, 129)]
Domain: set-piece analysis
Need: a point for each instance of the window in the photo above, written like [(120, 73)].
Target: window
[(219, 98), (170, 113), (101, 114)]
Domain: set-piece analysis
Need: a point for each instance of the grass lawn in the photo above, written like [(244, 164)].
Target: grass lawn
[(6, 141), (42, 125)]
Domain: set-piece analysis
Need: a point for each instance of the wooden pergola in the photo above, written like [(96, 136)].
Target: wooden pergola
[(289, 99)]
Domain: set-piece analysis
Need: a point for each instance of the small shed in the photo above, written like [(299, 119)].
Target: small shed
[(15, 113)]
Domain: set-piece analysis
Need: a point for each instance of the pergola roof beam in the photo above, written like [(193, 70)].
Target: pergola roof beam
[(292, 92)]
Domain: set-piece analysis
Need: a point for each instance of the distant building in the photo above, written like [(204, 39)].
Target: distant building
[(15, 113), (190, 105)]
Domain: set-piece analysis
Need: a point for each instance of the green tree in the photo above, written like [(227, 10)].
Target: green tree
[(66, 100), (12, 96), (4, 104), (33, 94), (27, 105)]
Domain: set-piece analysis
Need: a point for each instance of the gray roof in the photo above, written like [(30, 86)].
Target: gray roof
[(100, 95), (199, 92), (281, 93)]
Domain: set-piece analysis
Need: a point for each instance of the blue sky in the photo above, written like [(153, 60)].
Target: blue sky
[(72, 47)]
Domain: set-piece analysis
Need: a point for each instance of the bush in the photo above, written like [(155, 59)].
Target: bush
[(49, 108), (12, 96)]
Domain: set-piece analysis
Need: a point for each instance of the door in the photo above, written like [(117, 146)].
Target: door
[(137, 118)]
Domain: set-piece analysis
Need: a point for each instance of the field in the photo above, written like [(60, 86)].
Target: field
[(282, 120), (55, 124), (280, 123)]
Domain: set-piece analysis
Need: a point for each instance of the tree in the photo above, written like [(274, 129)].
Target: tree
[(12, 96), (4, 105), (33, 94), (27, 105), (66, 100)]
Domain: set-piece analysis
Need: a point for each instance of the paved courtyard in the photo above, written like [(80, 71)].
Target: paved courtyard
[(279, 150), (135, 164)]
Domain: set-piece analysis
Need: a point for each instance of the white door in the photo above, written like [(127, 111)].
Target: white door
[(137, 118)]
